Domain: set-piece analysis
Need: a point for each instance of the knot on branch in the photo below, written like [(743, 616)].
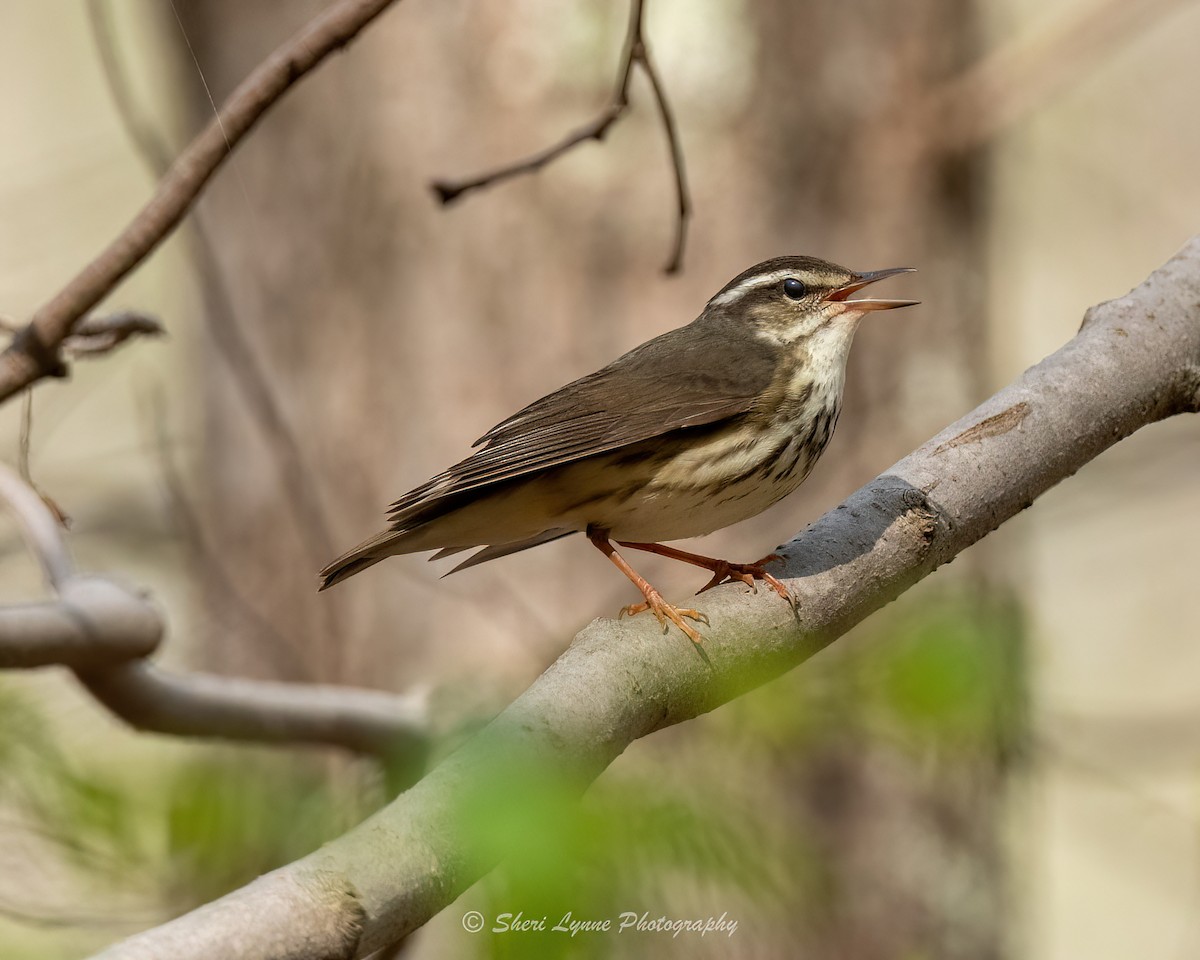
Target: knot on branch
[(339, 901), (43, 357), (923, 514)]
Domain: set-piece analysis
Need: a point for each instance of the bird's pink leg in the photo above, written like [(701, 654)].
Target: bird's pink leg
[(722, 570), (655, 603)]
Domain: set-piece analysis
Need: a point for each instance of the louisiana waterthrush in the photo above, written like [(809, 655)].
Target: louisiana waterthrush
[(695, 430)]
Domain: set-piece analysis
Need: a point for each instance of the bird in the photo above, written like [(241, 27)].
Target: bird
[(706, 425)]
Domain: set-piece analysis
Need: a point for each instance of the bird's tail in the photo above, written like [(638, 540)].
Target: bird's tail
[(366, 554)]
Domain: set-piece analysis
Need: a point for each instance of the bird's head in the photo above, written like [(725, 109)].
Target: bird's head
[(790, 299)]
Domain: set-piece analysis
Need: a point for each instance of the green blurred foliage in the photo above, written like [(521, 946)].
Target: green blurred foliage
[(697, 820), (945, 673), (87, 816), (634, 835), (232, 815)]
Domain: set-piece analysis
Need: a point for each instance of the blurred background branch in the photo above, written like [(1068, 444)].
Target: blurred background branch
[(636, 54), (96, 626)]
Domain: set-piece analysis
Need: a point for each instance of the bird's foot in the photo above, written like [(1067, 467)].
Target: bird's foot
[(722, 570), (667, 614), (747, 573)]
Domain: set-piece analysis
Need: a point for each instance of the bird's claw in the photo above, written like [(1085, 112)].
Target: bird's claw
[(747, 573), (666, 614)]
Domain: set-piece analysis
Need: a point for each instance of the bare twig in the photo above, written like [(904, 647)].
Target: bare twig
[(35, 350), (635, 54), (385, 725), (25, 438), (24, 447), (93, 336), (96, 335), (40, 528), (1135, 361), (682, 198)]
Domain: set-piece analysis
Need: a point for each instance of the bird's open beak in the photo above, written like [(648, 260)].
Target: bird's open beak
[(841, 294)]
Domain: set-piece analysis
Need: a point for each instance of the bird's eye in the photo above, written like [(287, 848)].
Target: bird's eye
[(793, 288)]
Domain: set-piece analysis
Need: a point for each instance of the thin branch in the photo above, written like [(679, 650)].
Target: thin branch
[(682, 198), (372, 722), (93, 336), (24, 446), (635, 55), (1135, 361), (35, 350), (42, 532), (450, 190)]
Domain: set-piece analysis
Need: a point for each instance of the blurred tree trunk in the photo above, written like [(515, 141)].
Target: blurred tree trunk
[(847, 173)]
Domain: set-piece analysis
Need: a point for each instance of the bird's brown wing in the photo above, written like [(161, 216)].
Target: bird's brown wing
[(696, 375)]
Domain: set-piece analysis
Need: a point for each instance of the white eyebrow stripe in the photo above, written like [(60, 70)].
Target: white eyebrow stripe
[(750, 283)]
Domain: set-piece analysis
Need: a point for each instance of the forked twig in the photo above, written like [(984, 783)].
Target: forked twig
[(635, 54)]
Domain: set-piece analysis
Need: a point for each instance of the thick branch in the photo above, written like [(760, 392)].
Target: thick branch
[(34, 352), (1135, 361)]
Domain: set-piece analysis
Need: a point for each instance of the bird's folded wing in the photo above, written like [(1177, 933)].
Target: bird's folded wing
[(679, 380)]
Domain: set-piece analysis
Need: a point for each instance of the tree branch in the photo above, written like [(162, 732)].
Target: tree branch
[(1135, 361), (35, 350), (103, 630), (371, 722), (636, 54)]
